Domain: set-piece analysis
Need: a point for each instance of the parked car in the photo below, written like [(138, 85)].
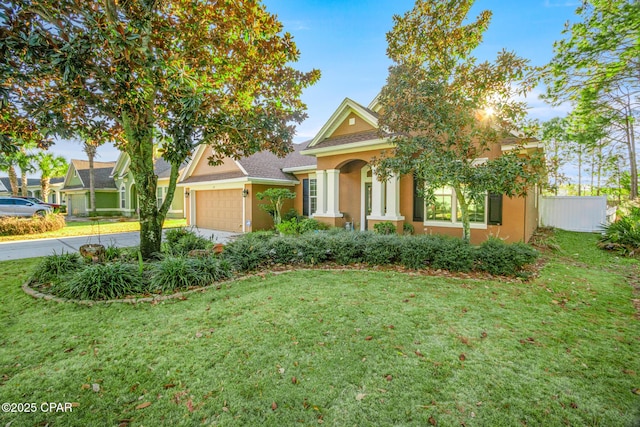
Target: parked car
[(56, 207), (14, 206)]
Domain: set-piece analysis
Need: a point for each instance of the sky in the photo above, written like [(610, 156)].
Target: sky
[(345, 40)]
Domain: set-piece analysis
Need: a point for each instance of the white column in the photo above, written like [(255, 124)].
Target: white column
[(333, 193), (321, 188), (377, 200), (393, 199)]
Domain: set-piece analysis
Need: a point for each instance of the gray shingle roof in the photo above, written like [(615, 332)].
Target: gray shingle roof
[(5, 184), (102, 172)]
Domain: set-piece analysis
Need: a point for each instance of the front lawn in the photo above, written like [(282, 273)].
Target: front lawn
[(337, 348)]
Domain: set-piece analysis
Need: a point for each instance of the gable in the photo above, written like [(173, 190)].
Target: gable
[(203, 168), (353, 123)]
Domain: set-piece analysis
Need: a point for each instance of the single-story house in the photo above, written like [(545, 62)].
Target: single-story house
[(34, 188), (75, 190), (335, 184), (127, 195)]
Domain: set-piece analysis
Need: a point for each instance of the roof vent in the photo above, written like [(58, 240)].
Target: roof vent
[(352, 121)]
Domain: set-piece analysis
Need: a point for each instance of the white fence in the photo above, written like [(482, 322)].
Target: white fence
[(586, 214)]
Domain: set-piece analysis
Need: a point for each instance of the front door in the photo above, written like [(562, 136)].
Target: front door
[(367, 203)]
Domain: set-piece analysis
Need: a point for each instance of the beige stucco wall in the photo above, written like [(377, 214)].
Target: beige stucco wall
[(345, 128)]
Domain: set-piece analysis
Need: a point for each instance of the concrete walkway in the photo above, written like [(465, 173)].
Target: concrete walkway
[(44, 247)]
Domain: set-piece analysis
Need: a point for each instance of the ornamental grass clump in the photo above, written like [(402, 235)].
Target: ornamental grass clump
[(101, 282), (178, 273), (15, 226), (54, 268)]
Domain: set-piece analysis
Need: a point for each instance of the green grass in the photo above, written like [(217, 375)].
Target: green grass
[(365, 348), (91, 228)]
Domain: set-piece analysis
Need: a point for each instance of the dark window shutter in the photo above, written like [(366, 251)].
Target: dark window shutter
[(418, 201), (305, 197), (495, 209)]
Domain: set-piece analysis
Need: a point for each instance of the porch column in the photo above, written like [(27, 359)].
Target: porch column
[(377, 199), (393, 199), (321, 188), (333, 193)]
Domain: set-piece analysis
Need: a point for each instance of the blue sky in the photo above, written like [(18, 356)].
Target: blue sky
[(345, 40)]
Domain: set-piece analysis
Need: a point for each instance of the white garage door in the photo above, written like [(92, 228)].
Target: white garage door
[(219, 209), (76, 204)]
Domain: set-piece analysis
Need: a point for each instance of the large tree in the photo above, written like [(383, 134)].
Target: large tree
[(553, 134), (445, 111), (598, 62), (205, 71)]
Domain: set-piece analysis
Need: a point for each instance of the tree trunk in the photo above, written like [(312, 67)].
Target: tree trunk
[(138, 128), (90, 149), (45, 187), (13, 180), (633, 162), (464, 211), (25, 191)]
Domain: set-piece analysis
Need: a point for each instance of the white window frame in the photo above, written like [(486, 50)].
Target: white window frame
[(313, 196), (123, 198), (454, 223)]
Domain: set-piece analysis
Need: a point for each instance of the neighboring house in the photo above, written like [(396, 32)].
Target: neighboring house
[(334, 183), (75, 190), (34, 188), (127, 193)]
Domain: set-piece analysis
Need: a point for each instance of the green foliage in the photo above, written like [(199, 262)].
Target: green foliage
[(248, 252), (240, 94), (315, 248), (453, 255), (54, 268), (348, 247), (16, 226), (296, 226), (435, 107), (386, 227), (180, 241), (101, 282), (275, 198), (382, 249), (180, 273), (498, 258), (623, 235), (408, 229), (418, 251), (291, 214)]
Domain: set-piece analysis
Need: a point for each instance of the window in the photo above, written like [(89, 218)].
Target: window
[(123, 199), (159, 196), (309, 197), (446, 209), (441, 209)]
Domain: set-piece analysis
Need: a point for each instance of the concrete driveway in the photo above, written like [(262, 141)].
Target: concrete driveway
[(43, 247)]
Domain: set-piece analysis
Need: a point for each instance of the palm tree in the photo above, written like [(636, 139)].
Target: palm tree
[(50, 166), (8, 163), (24, 159)]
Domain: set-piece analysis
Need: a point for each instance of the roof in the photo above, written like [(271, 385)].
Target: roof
[(5, 184), (101, 170), (261, 165), (162, 168), (367, 135)]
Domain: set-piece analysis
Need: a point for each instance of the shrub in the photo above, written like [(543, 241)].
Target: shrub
[(382, 249), (499, 258), (296, 226), (454, 255), (315, 248), (54, 267), (386, 227), (418, 251), (291, 214), (347, 247), (181, 241), (283, 250), (248, 252), (14, 226), (624, 234), (101, 282), (408, 229)]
